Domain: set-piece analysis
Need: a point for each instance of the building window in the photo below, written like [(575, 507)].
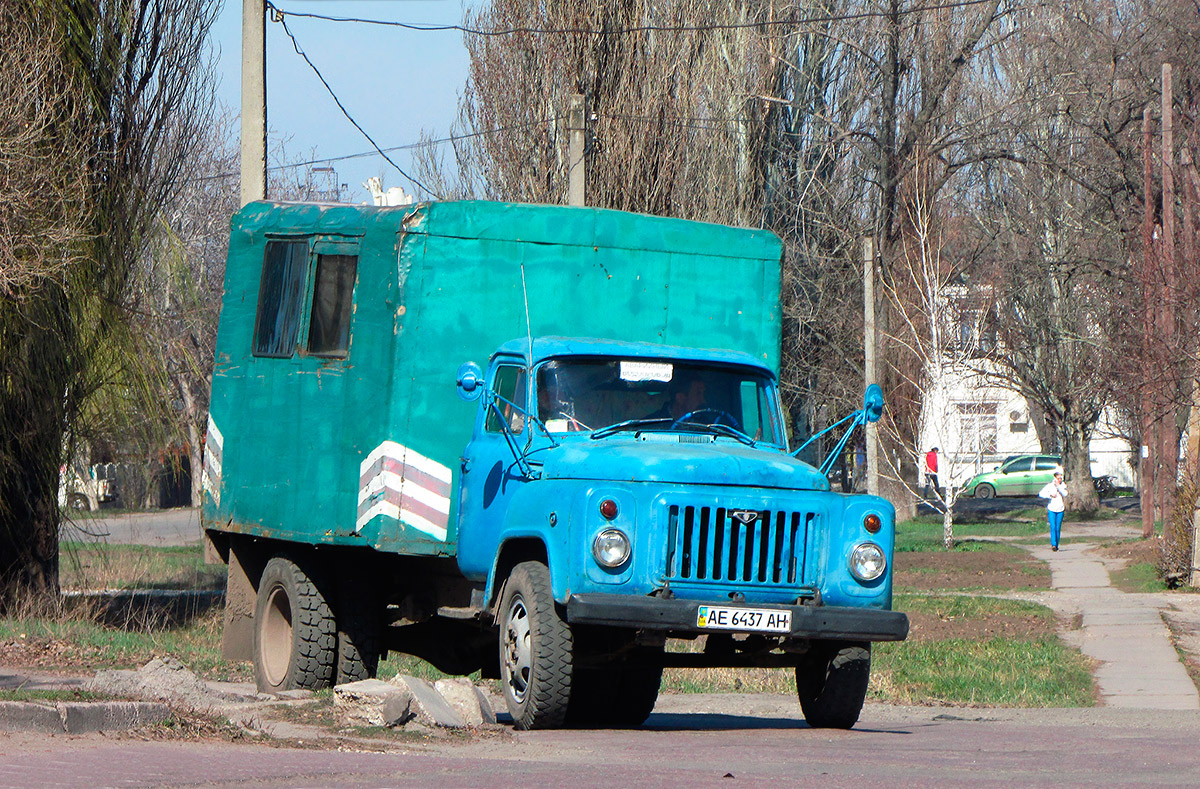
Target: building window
[(977, 428), (280, 295), (333, 291)]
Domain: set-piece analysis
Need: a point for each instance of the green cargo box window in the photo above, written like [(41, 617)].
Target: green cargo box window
[(280, 296), (329, 323)]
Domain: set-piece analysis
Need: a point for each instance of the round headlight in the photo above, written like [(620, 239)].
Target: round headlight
[(611, 548), (867, 561)]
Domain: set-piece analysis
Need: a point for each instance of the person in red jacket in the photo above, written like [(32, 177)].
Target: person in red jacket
[(931, 471)]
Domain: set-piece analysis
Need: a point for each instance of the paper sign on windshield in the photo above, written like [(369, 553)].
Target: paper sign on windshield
[(646, 371)]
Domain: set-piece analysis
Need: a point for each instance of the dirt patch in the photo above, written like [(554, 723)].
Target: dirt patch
[(1118, 555), (933, 627), (41, 652), (990, 569)]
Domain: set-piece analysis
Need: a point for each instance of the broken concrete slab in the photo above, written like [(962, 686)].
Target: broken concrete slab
[(428, 705), (467, 700), (162, 679), (372, 702)]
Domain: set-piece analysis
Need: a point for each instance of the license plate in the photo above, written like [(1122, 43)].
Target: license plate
[(758, 620)]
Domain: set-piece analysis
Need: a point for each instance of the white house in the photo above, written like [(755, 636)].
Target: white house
[(976, 423)]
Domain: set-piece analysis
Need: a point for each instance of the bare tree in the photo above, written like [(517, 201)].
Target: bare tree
[(130, 71)]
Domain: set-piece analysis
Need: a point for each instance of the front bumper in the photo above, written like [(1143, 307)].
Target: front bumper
[(808, 621)]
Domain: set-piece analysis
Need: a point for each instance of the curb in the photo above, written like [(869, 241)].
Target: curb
[(80, 717)]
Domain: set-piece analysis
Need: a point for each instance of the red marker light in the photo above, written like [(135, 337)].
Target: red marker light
[(608, 508), (872, 524)]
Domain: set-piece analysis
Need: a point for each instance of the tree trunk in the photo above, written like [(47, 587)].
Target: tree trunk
[(1077, 467), (32, 388)]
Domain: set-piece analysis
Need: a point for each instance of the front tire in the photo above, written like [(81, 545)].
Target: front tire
[(831, 684), (985, 491), (618, 685), (294, 634), (536, 650)]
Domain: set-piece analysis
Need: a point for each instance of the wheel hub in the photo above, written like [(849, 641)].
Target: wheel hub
[(517, 650)]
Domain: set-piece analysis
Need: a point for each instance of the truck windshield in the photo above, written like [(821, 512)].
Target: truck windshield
[(591, 394)]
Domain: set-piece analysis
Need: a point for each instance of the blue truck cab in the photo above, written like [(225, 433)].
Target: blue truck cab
[(657, 482)]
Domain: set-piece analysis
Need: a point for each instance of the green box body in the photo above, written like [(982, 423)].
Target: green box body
[(436, 285)]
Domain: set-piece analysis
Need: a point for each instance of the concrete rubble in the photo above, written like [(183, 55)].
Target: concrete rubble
[(448, 704), (164, 679)]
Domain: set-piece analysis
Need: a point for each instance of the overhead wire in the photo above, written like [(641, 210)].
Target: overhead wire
[(391, 149), (618, 31), (342, 107)]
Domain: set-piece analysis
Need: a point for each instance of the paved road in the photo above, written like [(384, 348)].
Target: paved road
[(157, 527), (688, 743)]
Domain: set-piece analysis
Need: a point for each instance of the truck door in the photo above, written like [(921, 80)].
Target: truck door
[(490, 473)]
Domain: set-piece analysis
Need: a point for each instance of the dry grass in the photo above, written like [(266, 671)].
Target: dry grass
[(103, 566)]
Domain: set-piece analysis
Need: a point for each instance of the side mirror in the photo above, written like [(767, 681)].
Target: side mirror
[(873, 403), (469, 381)]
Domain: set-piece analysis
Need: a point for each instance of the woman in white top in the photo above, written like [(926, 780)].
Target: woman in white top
[(1056, 491)]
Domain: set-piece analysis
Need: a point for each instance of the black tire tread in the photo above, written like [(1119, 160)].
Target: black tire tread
[(549, 691), (358, 639), (314, 635), (832, 685)]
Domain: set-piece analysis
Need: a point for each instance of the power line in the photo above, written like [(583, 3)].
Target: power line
[(337, 101), (620, 31), (392, 149)]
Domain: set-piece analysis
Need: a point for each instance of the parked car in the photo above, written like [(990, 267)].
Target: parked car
[(88, 488), (1022, 475)]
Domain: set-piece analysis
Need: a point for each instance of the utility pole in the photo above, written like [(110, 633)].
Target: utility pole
[(254, 101), (1149, 399), (1168, 440), (576, 129), (870, 359)]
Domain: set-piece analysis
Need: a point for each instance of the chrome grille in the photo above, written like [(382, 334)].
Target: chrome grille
[(713, 544)]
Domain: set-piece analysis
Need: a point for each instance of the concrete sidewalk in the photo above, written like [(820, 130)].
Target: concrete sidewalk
[(1137, 665)]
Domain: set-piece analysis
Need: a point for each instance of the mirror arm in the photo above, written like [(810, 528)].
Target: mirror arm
[(857, 414)]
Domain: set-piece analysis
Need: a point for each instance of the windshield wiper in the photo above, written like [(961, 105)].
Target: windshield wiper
[(633, 424), (723, 430), (629, 424)]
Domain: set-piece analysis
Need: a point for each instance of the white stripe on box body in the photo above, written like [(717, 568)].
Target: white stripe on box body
[(389, 493), (210, 479)]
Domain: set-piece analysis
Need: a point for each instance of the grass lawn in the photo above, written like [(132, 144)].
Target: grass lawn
[(966, 646), (93, 565)]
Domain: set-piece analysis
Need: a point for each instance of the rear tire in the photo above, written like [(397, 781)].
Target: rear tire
[(359, 630), (831, 684), (985, 491), (536, 650), (294, 634)]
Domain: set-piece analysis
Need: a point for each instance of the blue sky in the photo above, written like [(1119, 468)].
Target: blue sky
[(394, 82)]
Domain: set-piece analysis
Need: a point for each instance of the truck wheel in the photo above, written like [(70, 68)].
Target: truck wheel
[(358, 649), (294, 633), (615, 683), (79, 502), (832, 684), (620, 696), (985, 491), (535, 650)]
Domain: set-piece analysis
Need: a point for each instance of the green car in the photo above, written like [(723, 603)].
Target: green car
[(1023, 475)]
